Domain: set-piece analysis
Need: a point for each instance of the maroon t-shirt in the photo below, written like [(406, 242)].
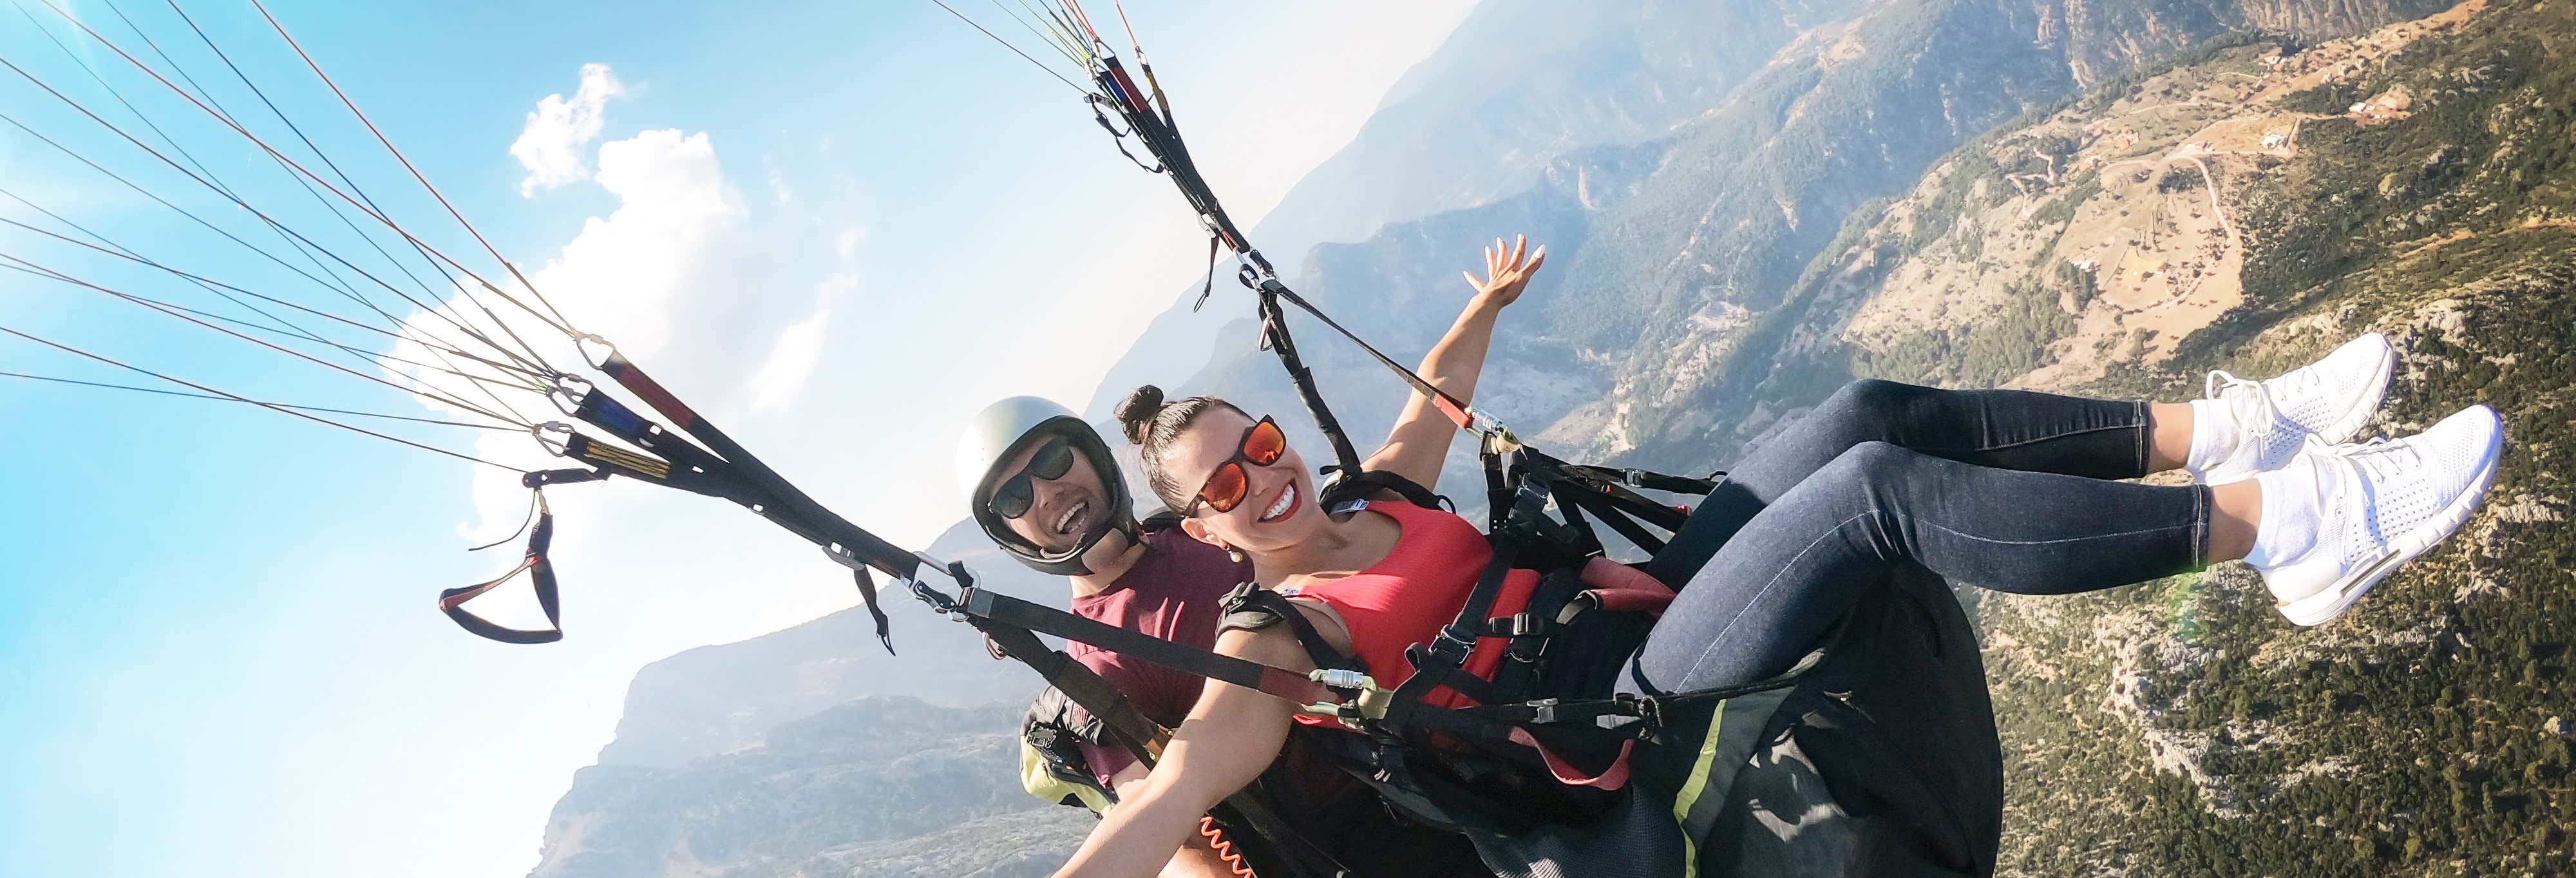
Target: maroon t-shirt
[(1173, 593)]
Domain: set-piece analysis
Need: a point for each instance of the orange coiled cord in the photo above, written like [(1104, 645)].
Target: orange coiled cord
[(1224, 847)]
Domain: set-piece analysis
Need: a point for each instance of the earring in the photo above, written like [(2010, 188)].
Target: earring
[(1234, 553)]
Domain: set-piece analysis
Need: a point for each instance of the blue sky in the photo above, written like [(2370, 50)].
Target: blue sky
[(839, 228)]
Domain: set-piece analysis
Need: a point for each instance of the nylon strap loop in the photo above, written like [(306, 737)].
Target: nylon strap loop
[(541, 578)]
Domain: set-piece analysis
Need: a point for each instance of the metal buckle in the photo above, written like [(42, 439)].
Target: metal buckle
[(939, 603), (1446, 643), (1642, 706)]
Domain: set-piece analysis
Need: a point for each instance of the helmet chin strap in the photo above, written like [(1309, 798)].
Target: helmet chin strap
[(1078, 560), (1126, 527)]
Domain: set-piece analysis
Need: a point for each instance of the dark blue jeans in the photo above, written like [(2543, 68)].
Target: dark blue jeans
[(2004, 489)]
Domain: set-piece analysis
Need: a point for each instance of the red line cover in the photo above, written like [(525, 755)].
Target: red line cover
[(652, 393)]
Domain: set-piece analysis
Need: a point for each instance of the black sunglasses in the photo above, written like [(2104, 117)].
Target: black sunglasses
[(1013, 497)]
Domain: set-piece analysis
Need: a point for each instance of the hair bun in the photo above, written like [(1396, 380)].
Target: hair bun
[(1137, 413)]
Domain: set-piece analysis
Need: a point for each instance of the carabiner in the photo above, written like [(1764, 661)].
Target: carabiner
[(566, 397), (558, 447), (585, 341)]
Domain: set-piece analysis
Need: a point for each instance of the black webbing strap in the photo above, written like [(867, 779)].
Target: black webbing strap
[(1576, 501), (1252, 599), (1274, 335), (1119, 138), (1132, 731), (1352, 485), (1634, 505), (676, 463), (1447, 651), (1603, 487), (1277, 682), (1529, 632), (1139, 736), (1653, 706), (1163, 140), (1208, 286), (868, 597), (1457, 410), (541, 576), (784, 504), (725, 469), (1652, 481)]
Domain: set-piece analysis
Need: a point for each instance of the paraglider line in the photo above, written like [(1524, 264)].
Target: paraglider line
[(1015, 50), (308, 173), (560, 321), (272, 406), (309, 145), (130, 255), (307, 408), (41, 271), (22, 126)]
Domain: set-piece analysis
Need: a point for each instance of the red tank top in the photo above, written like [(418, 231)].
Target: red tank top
[(1418, 587)]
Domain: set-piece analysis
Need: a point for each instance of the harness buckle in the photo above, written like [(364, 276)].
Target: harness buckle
[(1447, 644), (939, 602), (1644, 707)]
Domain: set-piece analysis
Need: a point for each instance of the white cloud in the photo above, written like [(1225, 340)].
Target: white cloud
[(792, 358), (676, 221), (679, 255), (847, 245), (778, 183), (550, 147)]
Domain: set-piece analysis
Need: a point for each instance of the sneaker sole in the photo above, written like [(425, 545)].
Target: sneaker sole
[(2342, 430), (2325, 605)]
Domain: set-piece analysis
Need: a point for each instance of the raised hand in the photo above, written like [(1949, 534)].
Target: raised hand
[(1508, 269)]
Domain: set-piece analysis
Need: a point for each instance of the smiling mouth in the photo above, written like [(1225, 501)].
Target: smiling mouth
[(1281, 508), (1072, 518)]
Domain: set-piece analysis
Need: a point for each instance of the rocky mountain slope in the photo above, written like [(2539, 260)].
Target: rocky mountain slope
[(2100, 197), (2246, 213), (878, 786), (1519, 85), (719, 699)]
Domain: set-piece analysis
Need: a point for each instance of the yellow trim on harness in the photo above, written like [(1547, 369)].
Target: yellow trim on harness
[(1042, 783), (649, 466), (1695, 785)]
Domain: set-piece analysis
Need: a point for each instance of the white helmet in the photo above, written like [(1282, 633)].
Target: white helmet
[(1000, 432)]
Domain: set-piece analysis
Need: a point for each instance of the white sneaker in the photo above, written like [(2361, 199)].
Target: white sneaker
[(2368, 509), (2330, 399)]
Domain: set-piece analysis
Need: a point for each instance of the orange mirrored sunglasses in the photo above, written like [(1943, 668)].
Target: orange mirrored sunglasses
[(1225, 488)]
